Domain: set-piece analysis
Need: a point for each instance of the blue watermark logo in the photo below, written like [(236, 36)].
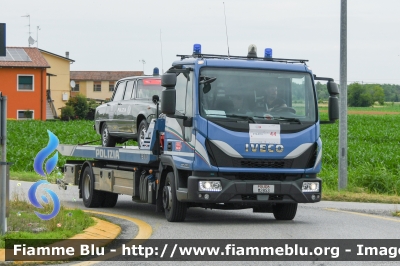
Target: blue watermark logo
[(50, 165)]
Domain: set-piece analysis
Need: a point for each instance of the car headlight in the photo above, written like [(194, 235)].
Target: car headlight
[(210, 186), (310, 187)]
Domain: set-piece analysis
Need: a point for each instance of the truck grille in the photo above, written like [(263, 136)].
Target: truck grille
[(255, 176), (261, 163), (260, 176)]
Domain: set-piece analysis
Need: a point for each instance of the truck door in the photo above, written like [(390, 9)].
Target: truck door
[(179, 136)]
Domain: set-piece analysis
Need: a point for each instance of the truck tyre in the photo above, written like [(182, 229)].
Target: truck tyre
[(110, 199), (175, 211), (283, 211), (141, 132), (106, 139), (91, 198)]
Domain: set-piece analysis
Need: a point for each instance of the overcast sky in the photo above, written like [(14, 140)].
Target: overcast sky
[(120, 34)]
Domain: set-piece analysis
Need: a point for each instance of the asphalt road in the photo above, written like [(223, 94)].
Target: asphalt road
[(323, 220)]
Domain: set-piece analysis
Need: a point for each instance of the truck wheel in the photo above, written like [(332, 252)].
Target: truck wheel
[(110, 199), (91, 198), (106, 139), (175, 211), (283, 211), (142, 132)]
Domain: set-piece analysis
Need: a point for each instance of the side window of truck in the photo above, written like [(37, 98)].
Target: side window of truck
[(181, 83), (184, 100)]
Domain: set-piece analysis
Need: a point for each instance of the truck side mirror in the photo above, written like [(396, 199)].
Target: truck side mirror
[(333, 108), (332, 88), (333, 104), (168, 96)]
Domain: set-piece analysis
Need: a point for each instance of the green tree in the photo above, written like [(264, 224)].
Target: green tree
[(377, 92), (80, 105), (359, 96), (67, 113)]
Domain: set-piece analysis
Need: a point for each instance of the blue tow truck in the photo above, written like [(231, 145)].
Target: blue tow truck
[(223, 139)]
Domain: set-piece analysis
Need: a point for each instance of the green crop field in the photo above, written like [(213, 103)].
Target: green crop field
[(27, 138), (373, 153), (373, 148)]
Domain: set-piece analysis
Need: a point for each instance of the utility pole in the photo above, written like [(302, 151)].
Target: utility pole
[(4, 182), (342, 184)]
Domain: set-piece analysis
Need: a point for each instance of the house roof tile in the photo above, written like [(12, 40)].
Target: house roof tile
[(103, 75), (37, 59)]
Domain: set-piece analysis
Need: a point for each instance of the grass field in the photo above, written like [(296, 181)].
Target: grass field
[(373, 148), (373, 154)]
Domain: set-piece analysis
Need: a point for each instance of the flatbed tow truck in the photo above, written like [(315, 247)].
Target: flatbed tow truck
[(198, 153)]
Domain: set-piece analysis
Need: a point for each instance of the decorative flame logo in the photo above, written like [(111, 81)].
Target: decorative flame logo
[(35, 202), (42, 155), (50, 165)]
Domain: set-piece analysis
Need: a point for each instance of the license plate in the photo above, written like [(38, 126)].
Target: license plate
[(263, 188)]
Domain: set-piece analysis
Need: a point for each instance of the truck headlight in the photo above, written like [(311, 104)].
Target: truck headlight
[(210, 186), (310, 187)]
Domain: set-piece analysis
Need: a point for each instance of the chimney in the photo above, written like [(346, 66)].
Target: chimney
[(67, 54)]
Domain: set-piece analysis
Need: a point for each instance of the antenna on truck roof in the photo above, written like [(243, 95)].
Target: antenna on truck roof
[(162, 58), (226, 29)]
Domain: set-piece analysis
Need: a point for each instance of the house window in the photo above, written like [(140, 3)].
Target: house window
[(97, 86), (25, 83), (25, 114), (111, 86), (76, 87)]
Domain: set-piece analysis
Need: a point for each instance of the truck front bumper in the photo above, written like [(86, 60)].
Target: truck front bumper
[(241, 191)]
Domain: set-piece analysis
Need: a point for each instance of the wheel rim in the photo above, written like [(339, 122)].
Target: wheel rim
[(86, 187), (105, 136), (167, 198), (142, 133)]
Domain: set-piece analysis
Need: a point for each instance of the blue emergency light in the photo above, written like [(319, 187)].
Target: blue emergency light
[(268, 53), (197, 48), (156, 71)]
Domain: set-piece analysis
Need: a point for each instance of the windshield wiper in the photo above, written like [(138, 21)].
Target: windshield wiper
[(289, 119), (248, 118)]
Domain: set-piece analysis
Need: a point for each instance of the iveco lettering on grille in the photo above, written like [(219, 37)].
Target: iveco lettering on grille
[(263, 147), (107, 154)]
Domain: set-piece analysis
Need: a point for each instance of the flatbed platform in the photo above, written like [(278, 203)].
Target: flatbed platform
[(131, 154)]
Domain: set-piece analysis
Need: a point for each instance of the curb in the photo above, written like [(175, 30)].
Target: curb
[(102, 230)]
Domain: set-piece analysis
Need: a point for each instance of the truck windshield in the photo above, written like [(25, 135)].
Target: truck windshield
[(256, 95)]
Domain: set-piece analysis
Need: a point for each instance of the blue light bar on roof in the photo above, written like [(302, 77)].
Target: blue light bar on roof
[(156, 71), (197, 48), (268, 53)]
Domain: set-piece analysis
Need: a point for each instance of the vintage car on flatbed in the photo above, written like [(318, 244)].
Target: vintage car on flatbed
[(129, 112)]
